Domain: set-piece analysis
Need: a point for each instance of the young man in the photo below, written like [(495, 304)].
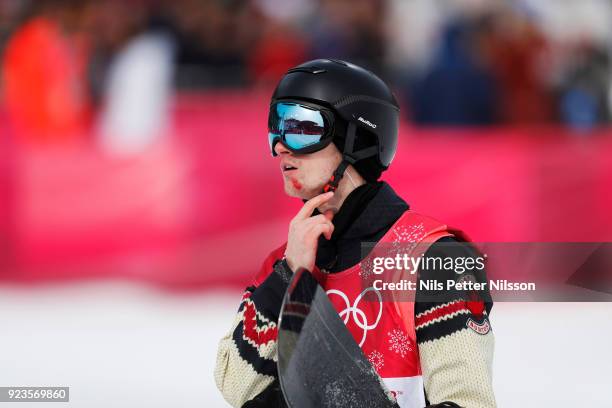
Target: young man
[(333, 127)]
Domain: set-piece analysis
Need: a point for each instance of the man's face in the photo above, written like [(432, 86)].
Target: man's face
[(305, 175)]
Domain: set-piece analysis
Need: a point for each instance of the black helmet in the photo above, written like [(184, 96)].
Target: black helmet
[(359, 98)]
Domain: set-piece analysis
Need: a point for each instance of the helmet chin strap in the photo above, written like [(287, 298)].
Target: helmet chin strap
[(348, 157)]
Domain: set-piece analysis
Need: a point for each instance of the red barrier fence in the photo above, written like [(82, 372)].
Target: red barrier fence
[(205, 206)]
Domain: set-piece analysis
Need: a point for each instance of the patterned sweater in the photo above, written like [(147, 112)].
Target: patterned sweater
[(454, 336)]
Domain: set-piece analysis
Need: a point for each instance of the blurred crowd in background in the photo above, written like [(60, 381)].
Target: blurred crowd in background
[(133, 148), (461, 62)]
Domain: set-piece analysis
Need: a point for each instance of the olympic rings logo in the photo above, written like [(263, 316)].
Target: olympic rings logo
[(358, 315)]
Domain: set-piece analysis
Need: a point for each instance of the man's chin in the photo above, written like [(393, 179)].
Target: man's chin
[(291, 192), (302, 194)]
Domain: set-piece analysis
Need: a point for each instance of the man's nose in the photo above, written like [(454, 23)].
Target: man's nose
[(280, 149)]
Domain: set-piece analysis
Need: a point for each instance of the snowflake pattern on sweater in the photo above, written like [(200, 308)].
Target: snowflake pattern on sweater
[(399, 342)]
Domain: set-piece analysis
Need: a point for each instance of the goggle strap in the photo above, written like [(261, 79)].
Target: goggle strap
[(349, 144), (348, 153), (361, 154)]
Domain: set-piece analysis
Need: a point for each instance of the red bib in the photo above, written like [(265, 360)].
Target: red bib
[(385, 330)]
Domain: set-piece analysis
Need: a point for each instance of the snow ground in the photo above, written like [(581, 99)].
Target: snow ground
[(124, 345)]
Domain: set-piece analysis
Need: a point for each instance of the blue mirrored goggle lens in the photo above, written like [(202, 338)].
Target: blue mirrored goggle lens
[(297, 125)]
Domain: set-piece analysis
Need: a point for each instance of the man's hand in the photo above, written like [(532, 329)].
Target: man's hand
[(304, 232)]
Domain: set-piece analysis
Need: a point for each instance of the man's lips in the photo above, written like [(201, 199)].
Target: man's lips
[(285, 167)]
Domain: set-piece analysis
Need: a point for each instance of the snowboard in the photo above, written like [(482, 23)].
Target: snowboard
[(319, 362)]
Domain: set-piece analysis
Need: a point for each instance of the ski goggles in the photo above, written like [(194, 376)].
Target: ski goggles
[(299, 127)]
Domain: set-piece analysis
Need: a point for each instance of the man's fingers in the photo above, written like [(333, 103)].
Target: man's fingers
[(308, 208), (326, 229), (329, 233), (317, 219), (329, 214)]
